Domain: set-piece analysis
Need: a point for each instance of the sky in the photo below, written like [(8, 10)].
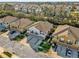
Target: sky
[(38, 0)]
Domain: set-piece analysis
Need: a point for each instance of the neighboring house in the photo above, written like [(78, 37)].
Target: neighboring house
[(66, 41), (9, 19), (19, 26), (4, 22), (32, 8), (13, 33), (37, 33), (8, 7), (18, 6)]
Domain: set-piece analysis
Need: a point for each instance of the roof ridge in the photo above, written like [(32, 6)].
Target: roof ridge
[(62, 30), (73, 32)]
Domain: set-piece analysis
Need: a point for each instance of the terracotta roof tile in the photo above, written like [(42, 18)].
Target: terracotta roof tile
[(43, 26), (21, 23), (71, 33), (9, 19)]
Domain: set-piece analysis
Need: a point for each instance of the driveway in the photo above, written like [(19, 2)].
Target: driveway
[(20, 50)]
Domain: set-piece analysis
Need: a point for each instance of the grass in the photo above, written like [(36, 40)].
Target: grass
[(44, 47)]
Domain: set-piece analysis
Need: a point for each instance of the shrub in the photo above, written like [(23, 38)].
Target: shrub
[(19, 37), (44, 46), (4, 30), (8, 54)]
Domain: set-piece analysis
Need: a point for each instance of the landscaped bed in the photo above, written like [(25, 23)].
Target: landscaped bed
[(8, 54), (44, 47), (4, 30), (19, 37)]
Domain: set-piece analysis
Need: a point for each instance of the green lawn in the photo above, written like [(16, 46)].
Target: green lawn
[(44, 47)]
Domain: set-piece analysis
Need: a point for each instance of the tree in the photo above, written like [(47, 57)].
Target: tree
[(20, 15)]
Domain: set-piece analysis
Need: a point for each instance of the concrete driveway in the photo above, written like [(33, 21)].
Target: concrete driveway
[(21, 49), (24, 51)]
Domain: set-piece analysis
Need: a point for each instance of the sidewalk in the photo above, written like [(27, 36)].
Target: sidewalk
[(5, 34), (45, 55), (23, 41), (53, 54)]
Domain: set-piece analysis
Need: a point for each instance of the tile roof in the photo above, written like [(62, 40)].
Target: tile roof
[(60, 28), (43, 26), (69, 33), (21, 23), (9, 19), (66, 29)]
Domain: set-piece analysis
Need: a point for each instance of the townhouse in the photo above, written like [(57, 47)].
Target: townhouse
[(18, 26), (5, 21), (37, 33), (66, 41), (9, 19)]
